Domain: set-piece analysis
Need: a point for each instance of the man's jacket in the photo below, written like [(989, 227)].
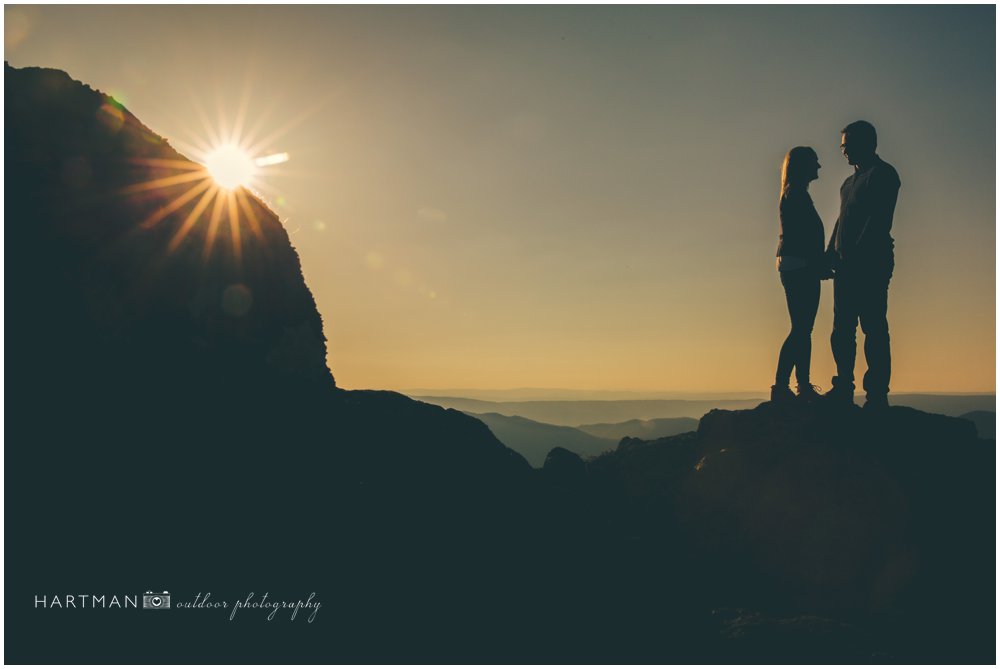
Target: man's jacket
[(861, 238)]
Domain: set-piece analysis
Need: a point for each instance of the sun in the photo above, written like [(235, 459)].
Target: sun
[(230, 166), (223, 181)]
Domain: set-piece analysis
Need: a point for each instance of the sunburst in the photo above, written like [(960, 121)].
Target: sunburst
[(229, 169), (216, 195)]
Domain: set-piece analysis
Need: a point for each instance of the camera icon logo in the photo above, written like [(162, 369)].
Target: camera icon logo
[(156, 600)]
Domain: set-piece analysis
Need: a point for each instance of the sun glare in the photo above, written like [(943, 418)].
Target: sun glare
[(223, 182), (230, 166)]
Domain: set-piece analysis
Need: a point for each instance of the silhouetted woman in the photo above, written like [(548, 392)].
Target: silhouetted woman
[(801, 265)]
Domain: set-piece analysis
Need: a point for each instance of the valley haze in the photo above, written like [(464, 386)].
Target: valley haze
[(577, 412)]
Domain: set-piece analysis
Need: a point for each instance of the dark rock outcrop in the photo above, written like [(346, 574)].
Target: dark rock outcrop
[(150, 309), (127, 267), (169, 404), (985, 422), (564, 467), (842, 513), (839, 509)]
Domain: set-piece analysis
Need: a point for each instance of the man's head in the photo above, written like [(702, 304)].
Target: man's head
[(858, 141)]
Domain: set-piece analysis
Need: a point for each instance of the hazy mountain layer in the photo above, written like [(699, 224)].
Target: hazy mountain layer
[(641, 429), (574, 413), (947, 405), (534, 440)]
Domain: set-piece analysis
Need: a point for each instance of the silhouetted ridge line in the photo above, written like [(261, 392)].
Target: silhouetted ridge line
[(129, 263)]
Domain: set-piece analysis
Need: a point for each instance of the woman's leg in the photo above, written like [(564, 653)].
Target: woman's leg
[(807, 304), (802, 297), (788, 355)]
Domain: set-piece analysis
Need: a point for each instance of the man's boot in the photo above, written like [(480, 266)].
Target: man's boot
[(782, 394), (839, 395), (877, 402), (807, 393)]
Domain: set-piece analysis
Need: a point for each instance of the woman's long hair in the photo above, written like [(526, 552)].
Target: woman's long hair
[(793, 166)]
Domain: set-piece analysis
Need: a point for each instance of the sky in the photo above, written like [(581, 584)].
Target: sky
[(576, 197)]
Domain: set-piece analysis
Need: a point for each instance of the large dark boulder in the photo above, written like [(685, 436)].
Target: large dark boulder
[(839, 509), (816, 510)]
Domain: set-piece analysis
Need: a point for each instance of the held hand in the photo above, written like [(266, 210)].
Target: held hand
[(830, 264), (831, 259)]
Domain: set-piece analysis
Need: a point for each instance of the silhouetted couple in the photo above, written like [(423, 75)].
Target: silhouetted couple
[(859, 259)]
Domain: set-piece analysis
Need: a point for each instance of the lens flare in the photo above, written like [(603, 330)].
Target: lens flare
[(273, 159)]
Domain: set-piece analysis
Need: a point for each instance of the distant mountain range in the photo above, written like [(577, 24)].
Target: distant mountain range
[(655, 428), (534, 440), (589, 412), (577, 413), (533, 428), (948, 405)]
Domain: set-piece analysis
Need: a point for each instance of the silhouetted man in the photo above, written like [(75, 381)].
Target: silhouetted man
[(861, 252)]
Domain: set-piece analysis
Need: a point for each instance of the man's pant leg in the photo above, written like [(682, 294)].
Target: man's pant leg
[(875, 324), (843, 340)]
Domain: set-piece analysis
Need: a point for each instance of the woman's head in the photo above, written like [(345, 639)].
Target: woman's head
[(801, 165)]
